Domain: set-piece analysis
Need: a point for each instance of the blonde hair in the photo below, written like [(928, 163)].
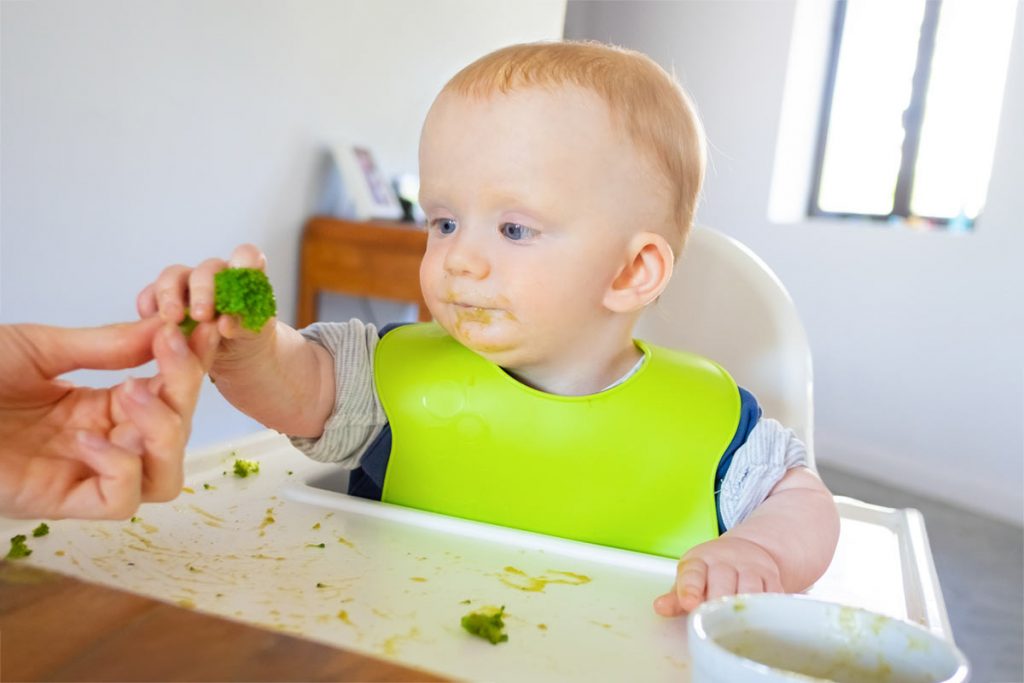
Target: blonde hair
[(656, 112)]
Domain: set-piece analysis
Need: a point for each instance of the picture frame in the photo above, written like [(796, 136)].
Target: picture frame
[(364, 192)]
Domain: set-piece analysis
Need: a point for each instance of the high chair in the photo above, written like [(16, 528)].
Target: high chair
[(725, 303), (286, 549)]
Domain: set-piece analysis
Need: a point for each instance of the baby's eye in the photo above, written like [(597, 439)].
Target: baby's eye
[(445, 226), (516, 231)]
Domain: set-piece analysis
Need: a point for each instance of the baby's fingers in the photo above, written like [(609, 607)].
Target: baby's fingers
[(667, 605), (170, 293), (750, 582), (688, 591), (201, 289), (692, 583), (722, 580), (230, 327), (247, 256)]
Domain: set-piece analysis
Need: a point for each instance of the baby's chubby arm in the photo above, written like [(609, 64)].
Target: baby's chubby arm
[(275, 376), (785, 545)]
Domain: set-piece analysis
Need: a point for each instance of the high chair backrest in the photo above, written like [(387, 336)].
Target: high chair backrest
[(725, 303)]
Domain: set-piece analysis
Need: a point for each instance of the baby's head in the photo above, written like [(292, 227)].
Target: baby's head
[(559, 182)]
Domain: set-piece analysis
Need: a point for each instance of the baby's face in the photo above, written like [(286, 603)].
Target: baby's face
[(531, 199)]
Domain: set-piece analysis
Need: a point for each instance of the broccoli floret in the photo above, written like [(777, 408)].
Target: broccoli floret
[(243, 468), (245, 292), (18, 548), (187, 325), (41, 530), (487, 623)]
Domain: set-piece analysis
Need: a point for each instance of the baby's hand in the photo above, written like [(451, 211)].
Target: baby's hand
[(725, 566), (179, 289)]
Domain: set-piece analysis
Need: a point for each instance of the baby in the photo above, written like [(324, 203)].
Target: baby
[(559, 183)]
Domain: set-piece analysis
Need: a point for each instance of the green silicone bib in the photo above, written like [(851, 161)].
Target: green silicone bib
[(632, 467)]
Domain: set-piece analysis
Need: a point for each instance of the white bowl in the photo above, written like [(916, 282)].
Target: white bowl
[(776, 637)]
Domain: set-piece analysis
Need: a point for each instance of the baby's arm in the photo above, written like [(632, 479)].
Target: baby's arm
[(274, 376), (784, 545)]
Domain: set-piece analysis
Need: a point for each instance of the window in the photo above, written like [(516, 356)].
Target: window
[(911, 109)]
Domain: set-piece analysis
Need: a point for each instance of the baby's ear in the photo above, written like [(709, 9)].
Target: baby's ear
[(644, 276)]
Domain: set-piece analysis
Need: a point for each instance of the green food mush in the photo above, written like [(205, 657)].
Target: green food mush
[(18, 548), (41, 530), (243, 468), (486, 623), (244, 292)]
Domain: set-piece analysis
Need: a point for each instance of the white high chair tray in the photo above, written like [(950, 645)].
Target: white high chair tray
[(395, 582)]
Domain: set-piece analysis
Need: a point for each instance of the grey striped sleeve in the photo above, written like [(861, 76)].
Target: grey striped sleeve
[(358, 416), (758, 465)]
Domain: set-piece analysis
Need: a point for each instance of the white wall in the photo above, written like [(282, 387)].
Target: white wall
[(134, 135), (918, 338)]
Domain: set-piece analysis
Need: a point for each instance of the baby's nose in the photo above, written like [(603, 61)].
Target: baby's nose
[(466, 257)]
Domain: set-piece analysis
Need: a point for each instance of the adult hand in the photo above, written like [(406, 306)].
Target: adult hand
[(71, 451)]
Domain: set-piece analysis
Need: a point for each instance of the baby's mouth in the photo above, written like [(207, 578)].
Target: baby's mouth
[(470, 305), (460, 304)]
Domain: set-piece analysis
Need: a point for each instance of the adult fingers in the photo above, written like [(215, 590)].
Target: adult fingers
[(112, 491), (170, 291), (126, 434), (145, 302), (201, 289), (164, 419), (181, 369), (57, 350), (163, 433)]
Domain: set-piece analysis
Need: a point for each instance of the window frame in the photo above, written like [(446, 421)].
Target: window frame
[(913, 117)]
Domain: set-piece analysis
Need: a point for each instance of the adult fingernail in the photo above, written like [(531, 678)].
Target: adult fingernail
[(92, 441), (176, 341), (137, 391)]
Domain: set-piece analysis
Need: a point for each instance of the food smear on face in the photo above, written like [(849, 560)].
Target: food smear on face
[(470, 314), (486, 623)]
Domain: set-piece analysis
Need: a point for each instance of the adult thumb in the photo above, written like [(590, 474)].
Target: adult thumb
[(112, 347)]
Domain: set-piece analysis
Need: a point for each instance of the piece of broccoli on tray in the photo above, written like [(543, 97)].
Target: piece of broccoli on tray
[(486, 623)]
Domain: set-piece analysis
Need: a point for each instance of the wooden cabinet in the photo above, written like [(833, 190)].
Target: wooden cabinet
[(378, 259)]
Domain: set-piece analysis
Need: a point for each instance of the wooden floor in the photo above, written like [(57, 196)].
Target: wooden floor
[(980, 562)]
